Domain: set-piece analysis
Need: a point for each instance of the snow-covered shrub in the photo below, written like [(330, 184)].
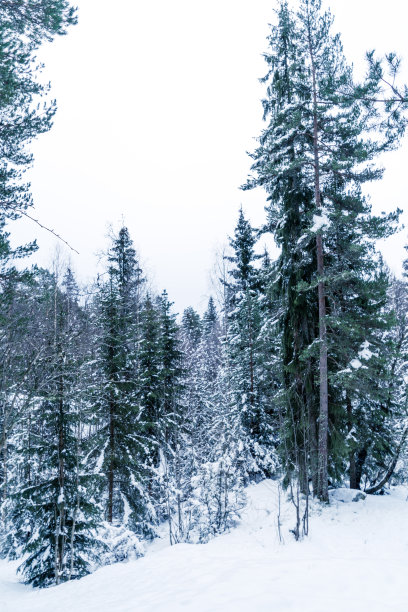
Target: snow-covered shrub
[(120, 543), (217, 498)]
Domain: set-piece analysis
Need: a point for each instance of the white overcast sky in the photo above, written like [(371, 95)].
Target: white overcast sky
[(158, 103)]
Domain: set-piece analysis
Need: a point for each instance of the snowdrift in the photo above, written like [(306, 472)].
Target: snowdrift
[(354, 560)]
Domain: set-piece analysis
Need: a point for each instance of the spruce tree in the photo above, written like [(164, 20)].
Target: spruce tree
[(192, 326), (121, 430), (170, 414), (244, 347), (50, 518)]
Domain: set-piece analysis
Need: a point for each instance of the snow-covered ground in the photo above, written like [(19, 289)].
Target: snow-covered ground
[(354, 560)]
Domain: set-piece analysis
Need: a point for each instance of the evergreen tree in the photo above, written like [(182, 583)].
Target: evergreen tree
[(313, 158), (47, 513), (150, 368), (15, 357), (24, 26), (246, 359), (169, 418), (122, 432), (171, 372), (192, 326)]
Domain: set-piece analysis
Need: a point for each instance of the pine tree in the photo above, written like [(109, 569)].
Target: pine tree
[(170, 415), (192, 326), (51, 519), (380, 432), (246, 359), (15, 357), (24, 26), (150, 368), (313, 158), (121, 429), (171, 372)]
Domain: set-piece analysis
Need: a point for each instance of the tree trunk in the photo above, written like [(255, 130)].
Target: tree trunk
[(354, 484), (314, 451), (60, 536), (322, 474), (361, 457), (392, 467), (111, 458), (303, 472), (5, 483)]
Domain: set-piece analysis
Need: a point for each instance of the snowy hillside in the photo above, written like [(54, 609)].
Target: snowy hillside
[(355, 560)]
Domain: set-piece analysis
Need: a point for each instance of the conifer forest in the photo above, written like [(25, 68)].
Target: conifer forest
[(123, 422)]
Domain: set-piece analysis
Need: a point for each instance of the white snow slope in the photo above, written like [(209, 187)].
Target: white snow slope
[(354, 560)]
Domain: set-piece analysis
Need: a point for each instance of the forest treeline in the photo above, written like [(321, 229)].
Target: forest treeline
[(117, 418)]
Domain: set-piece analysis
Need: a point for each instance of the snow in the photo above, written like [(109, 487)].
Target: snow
[(346, 495), (354, 560), (320, 221), (100, 461), (365, 352)]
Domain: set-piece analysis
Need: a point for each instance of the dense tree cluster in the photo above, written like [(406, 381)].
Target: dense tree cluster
[(115, 417), (119, 420)]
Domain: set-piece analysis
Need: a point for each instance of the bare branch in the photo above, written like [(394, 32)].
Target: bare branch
[(51, 231)]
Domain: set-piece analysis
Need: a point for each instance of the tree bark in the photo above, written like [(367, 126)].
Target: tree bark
[(322, 473), (322, 469), (352, 455), (111, 458), (360, 461)]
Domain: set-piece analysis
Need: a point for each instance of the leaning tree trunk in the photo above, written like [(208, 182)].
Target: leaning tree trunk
[(392, 467)]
